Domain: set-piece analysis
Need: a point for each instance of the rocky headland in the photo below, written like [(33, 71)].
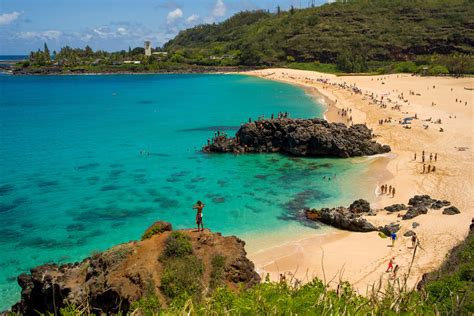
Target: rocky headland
[(162, 262), (299, 137)]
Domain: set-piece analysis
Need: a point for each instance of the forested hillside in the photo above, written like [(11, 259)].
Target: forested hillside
[(354, 31)]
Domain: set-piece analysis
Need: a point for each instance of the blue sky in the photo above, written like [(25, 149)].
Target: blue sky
[(111, 24)]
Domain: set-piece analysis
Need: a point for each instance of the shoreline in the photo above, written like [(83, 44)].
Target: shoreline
[(369, 254)]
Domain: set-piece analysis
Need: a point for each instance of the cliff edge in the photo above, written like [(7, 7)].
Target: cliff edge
[(164, 264)]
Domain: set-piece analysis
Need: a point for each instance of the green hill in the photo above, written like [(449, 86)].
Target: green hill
[(357, 32)]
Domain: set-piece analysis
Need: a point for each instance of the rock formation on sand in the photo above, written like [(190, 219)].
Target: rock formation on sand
[(343, 218), (110, 281), (299, 137), (352, 218)]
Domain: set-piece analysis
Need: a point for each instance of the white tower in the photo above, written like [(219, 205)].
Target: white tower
[(147, 48)]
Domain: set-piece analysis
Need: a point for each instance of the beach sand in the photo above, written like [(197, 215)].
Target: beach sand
[(362, 258)]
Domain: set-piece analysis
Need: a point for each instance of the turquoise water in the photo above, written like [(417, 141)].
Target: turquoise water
[(73, 178)]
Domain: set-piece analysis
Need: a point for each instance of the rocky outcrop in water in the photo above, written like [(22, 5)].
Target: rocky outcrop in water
[(110, 281), (299, 137)]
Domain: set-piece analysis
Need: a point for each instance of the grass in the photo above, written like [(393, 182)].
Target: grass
[(448, 291), (217, 273), (153, 231), (177, 245), (182, 271)]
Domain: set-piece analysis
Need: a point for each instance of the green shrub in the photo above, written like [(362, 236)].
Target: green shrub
[(177, 245), (438, 70), (70, 310), (148, 305), (405, 67), (181, 278), (217, 273), (149, 233), (314, 66)]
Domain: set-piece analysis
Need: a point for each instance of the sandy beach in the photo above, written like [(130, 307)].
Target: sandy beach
[(443, 112)]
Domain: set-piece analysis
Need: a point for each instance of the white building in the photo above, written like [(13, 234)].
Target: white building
[(147, 48)]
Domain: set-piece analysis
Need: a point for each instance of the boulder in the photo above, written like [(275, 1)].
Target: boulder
[(359, 206), (300, 137), (452, 210), (341, 218), (390, 228), (438, 204), (157, 228), (415, 225), (409, 233), (395, 207), (414, 211), (421, 200)]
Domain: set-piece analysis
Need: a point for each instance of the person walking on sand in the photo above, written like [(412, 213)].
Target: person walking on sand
[(393, 192), (395, 270), (198, 207), (414, 158), (436, 157), (393, 237), (423, 168), (414, 238), (390, 264)]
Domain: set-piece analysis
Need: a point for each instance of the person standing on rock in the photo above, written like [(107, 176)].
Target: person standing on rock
[(198, 207)]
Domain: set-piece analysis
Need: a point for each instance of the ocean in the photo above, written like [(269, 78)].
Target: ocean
[(91, 161)]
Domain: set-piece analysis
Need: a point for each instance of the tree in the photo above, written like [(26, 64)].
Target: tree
[(278, 10), (292, 10), (351, 61), (46, 54), (88, 51), (458, 63)]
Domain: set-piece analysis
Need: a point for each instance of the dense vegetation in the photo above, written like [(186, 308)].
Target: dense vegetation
[(432, 37), (350, 34), (448, 291)]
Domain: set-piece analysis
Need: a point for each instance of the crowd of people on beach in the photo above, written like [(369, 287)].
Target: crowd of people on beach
[(346, 114), (424, 159), (387, 189)]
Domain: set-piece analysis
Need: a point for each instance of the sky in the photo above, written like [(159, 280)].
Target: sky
[(112, 25)]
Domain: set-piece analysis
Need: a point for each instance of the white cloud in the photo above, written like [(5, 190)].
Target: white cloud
[(44, 35), (7, 18), (86, 37), (192, 18), (219, 9), (174, 15), (122, 31)]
